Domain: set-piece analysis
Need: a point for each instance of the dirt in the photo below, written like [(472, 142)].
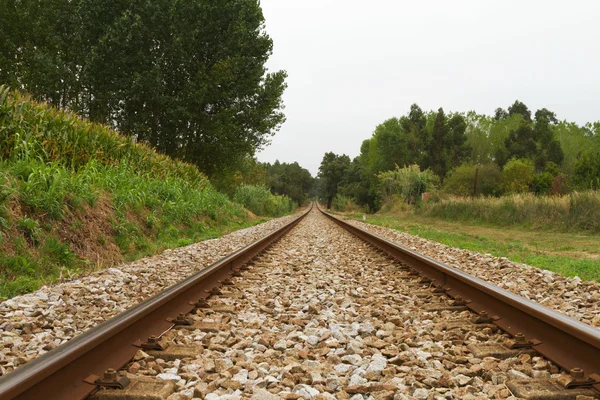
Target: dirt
[(84, 229)]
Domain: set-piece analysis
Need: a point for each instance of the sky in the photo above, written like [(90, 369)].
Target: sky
[(353, 64)]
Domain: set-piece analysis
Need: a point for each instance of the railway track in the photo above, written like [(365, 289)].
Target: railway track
[(320, 313)]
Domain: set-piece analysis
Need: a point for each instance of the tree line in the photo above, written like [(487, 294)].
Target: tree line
[(187, 77), (466, 154)]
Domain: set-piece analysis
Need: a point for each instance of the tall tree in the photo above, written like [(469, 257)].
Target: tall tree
[(331, 173), (418, 137), (438, 155), (520, 108), (187, 77)]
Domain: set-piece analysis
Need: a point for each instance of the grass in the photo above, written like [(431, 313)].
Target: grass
[(569, 254), (575, 212), (77, 196), (261, 201)]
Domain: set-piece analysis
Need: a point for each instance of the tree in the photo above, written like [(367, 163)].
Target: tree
[(517, 176), (520, 143), (418, 137), (546, 114), (500, 113), (389, 145), (289, 179), (448, 147), (331, 173), (438, 156), (520, 108), (587, 171), (187, 77), (458, 148), (461, 181)]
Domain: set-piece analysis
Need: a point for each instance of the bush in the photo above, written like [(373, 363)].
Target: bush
[(344, 204), (587, 171), (461, 181), (409, 183), (517, 176), (260, 200)]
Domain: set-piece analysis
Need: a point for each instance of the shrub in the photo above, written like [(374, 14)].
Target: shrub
[(261, 201), (587, 171), (461, 181), (517, 176), (344, 204), (409, 183)]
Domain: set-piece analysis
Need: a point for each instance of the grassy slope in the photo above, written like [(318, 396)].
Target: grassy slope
[(76, 196), (569, 254)]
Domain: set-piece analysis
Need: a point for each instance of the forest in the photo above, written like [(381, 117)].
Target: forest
[(464, 154)]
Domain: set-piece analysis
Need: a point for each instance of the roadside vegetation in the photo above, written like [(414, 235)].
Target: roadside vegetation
[(568, 254), (157, 140), (513, 184), (458, 155), (76, 196)]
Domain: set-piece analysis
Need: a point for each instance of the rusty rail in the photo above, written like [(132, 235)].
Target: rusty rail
[(60, 373), (567, 342)]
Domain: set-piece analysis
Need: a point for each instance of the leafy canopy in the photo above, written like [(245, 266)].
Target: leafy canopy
[(187, 77)]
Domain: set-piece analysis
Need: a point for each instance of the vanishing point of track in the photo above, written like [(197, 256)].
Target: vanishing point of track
[(75, 369)]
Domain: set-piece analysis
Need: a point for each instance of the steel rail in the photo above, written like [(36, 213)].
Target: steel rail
[(567, 342), (60, 373)]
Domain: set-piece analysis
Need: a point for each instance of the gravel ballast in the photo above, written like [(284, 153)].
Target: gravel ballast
[(33, 324), (321, 315), (571, 296)]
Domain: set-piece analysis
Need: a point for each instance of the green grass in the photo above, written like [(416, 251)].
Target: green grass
[(261, 201), (568, 254), (60, 175)]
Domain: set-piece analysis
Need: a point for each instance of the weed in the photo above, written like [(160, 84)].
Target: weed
[(261, 201), (59, 253), (31, 230)]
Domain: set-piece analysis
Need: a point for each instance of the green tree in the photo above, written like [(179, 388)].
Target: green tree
[(448, 147), (587, 171), (500, 113), (517, 176), (438, 155), (331, 173), (418, 137), (187, 77), (289, 179), (461, 181), (520, 108)]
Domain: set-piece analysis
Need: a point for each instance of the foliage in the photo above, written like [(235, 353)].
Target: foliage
[(186, 77), (452, 144), (408, 183), (587, 171), (36, 131), (344, 204), (331, 173), (68, 183), (517, 176), (261, 201), (290, 180), (461, 181)]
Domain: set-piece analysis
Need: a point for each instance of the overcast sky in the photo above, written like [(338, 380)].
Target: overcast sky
[(352, 64)]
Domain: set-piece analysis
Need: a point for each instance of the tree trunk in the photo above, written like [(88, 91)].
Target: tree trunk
[(329, 200)]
